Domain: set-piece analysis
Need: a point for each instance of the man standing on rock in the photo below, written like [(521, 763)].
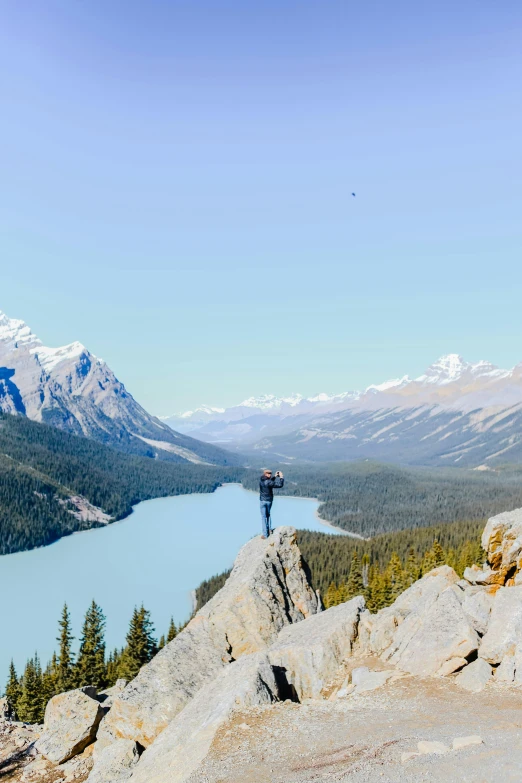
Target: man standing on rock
[(267, 484)]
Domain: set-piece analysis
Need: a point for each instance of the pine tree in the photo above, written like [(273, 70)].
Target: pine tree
[(161, 643), (173, 631), (90, 668), (29, 705), (451, 559), (355, 584), (428, 562), (342, 594), (330, 598), (113, 667), (438, 554), (141, 645), (372, 589), (13, 690), (396, 576), (365, 569), (411, 569), (49, 681), (65, 672)]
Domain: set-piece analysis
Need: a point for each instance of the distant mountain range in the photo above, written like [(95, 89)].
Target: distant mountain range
[(73, 390), (455, 413)]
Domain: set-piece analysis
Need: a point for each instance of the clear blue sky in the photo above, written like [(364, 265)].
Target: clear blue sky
[(176, 184)]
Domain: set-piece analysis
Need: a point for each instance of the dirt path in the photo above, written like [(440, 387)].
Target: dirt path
[(361, 739)]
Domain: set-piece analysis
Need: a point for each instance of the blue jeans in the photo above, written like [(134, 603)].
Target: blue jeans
[(266, 505)]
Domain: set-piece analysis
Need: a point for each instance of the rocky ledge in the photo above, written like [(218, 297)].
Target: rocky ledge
[(263, 641)]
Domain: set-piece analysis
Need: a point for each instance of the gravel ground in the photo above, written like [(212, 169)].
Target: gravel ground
[(361, 738)]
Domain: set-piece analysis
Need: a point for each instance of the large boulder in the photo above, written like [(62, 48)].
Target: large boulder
[(436, 637), (504, 633), (70, 724), (267, 590), (180, 749), (477, 606), (411, 605), (425, 631), (502, 542), (475, 677), (310, 653), (114, 762)]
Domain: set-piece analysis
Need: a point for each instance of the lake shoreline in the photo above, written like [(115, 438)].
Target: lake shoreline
[(155, 557)]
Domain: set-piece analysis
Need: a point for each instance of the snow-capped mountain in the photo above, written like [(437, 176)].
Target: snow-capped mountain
[(70, 388), (348, 425)]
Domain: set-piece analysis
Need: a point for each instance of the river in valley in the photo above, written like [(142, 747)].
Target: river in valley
[(156, 556)]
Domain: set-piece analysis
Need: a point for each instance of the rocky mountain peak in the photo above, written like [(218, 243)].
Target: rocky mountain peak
[(70, 388)]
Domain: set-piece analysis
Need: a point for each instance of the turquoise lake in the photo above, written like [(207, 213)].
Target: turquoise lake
[(157, 556)]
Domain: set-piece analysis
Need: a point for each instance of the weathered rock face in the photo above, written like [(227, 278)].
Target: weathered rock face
[(411, 605), (70, 724), (502, 542), (179, 750), (310, 653), (504, 634), (267, 590), (428, 641), (115, 762), (477, 607), (475, 676), (426, 631)]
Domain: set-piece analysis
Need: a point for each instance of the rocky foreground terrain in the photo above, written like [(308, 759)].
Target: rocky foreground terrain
[(263, 685)]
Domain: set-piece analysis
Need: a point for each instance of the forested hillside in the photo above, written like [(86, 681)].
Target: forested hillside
[(42, 467), (369, 498)]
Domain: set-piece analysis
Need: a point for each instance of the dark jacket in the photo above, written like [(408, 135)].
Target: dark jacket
[(267, 486)]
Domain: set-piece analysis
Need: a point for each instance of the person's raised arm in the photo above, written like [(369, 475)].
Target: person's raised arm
[(279, 481)]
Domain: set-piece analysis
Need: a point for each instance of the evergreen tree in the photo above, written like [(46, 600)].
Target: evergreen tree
[(161, 643), (113, 667), (428, 562), (65, 671), (141, 645), (355, 584), (372, 589), (411, 569), (396, 576), (342, 594), (29, 705), (365, 569), (451, 559), (330, 598), (13, 690), (173, 631), (49, 681), (438, 554), (90, 668)]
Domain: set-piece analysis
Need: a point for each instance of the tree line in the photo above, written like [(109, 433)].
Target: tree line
[(29, 693), (382, 585)]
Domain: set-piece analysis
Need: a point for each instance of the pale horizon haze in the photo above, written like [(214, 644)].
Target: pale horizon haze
[(177, 187)]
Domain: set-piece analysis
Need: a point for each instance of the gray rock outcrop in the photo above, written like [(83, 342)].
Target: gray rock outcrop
[(504, 633), (70, 724), (426, 631), (310, 653), (267, 590), (179, 750), (115, 762), (410, 606), (475, 676)]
